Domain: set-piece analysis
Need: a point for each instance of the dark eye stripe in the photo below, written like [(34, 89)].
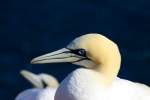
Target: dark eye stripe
[(44, 84), (80, 52)]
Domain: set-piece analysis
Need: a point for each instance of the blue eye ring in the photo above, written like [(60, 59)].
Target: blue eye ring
[(80, 52)]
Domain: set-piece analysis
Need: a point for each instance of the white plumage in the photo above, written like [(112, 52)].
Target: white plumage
[(79, 85), (98, 80), (39, 92)]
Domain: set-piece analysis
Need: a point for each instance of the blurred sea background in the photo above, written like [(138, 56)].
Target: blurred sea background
[(29, 28)]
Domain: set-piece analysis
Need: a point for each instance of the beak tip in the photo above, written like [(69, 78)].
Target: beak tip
[(33, 61)]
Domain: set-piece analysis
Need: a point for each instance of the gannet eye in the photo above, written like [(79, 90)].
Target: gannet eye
[(80, 52)]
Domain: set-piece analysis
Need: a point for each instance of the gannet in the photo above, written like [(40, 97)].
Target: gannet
[(39, 92), (97, 79)]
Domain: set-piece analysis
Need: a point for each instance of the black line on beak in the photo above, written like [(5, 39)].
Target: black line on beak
[(53, 58), (80, 60), (59, 58), (60, 53)]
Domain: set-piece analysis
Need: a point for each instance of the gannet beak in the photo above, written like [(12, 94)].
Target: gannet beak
[(32, 78), (59, 56)]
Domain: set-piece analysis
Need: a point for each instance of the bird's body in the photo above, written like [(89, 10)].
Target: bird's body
[(78, 87), (39, 92), (98, 80)]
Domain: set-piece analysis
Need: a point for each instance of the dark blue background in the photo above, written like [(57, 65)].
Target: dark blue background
[(29, 28)]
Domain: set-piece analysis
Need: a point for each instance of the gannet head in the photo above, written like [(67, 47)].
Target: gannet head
[(88, 50), (40, 80)]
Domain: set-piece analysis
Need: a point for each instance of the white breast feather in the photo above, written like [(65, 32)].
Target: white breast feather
[(37, 94), (80, 85)]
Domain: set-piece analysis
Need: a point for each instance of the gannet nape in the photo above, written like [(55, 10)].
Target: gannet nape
[(97, 80), (39, 92)]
